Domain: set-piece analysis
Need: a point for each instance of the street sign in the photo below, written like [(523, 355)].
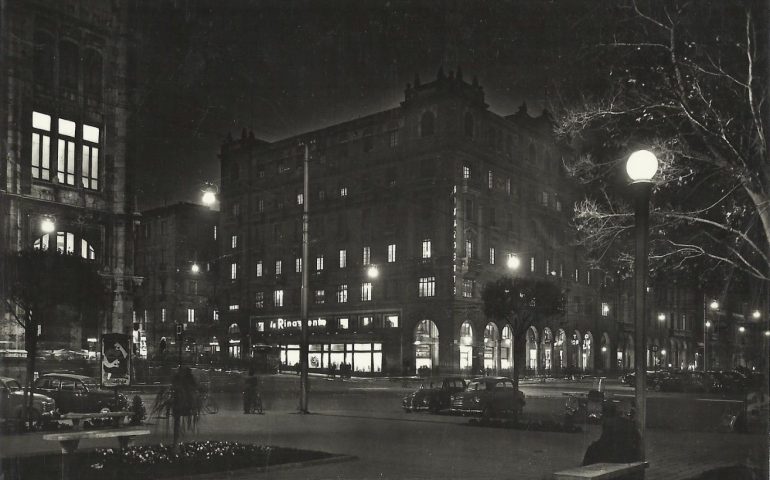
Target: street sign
[(116, 360)]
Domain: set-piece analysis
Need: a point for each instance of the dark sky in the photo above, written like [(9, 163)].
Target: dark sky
[(209, 67)]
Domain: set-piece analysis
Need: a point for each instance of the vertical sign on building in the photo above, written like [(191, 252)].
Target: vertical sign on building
[(116, 360)]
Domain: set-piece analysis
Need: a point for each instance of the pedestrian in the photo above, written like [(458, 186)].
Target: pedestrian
[(250, 391), (297, 368), (620, 441)]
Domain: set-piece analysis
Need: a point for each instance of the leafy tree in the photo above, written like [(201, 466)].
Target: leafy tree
[(38, 282), (687, 80), (521, 302)]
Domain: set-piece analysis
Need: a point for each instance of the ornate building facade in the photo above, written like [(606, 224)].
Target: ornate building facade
[(64, 148), (438, 195)]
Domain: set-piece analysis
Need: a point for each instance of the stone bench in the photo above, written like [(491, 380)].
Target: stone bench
[(601, 471), (77, 417), (69, 442)]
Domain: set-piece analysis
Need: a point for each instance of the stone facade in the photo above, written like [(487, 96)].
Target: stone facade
[(437, 193), (175, 248), (63, 141)]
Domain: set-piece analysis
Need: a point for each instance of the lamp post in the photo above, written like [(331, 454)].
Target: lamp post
[(303, 348), (641, 167), (706, 326)]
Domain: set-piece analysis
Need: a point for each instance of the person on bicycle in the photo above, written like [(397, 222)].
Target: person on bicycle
[(250, 391)]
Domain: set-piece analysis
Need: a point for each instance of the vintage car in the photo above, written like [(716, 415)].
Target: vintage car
[(12, 402), (434, 399), (79, 394), (489, 397)]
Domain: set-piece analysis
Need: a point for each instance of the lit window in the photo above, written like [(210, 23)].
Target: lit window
[(508, 186), (215, 315), (577, 275), (234, 241), (469, 248), (343, 258), (427, 287), (366, 291), (426, 249), (298, 265), (342, 293), (467, 288), (278, 267), (343, 323), (343, 191), (65, 166), (260, 326), (393, 138), (190, 315), (278, 298), (163, 315), (367, 256), (544, 199), (319, 262), (366, 322), (234, 308), (491, 255), (547, 266), (259, 268), (90, 159), (259, 300), (531, 264), (588, 277), (605, 309), (215, 232), (390, 321), (490, 180), (391, 253), (233, 271), (466, 172), (300, 198), (236, 210), (558, 205), (320, 296)]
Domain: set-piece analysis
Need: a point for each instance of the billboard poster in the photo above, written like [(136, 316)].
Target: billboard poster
[(116, 360)]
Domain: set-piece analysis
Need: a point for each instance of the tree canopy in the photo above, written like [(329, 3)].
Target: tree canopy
[(688, 81)]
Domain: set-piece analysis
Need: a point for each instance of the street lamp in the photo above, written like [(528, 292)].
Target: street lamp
[(706, 326), (195, 268), (209, 195), (47, 225), (742, 329), (661, 317), (513, 262), (755, 314), (641, 167), (372, 272)]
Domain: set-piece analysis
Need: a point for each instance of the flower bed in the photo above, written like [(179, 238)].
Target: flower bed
[(159, 461)]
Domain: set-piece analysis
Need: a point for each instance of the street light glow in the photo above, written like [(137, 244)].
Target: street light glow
[(195, 268), (767, 333), (742, 329), (47, 225), (642, 165), (372, 272), (209, 198), (663, 352), (513, 262), (708, 324), (714, 305), (756, 314), (662, 317)]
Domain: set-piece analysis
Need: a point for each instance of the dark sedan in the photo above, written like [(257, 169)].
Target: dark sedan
[(489, 397), (12, 404), (434, 399), (79, 394)]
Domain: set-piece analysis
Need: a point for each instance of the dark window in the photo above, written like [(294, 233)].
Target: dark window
[(468, 125), (92, 74), (68, 66), (426, 124), (44, 59)]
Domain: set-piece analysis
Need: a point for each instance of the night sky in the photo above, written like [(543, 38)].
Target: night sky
[(283, 67)]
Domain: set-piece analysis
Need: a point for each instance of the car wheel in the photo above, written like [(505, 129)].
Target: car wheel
[(36, 421), (487, 414)]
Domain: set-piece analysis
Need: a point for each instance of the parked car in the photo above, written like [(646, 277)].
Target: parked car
[(732, 381), (434, 399), (690, 382), (79, 394), (12, 404), (489, 397)]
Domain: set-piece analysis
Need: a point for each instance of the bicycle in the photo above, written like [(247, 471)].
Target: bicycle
[(209, 405)]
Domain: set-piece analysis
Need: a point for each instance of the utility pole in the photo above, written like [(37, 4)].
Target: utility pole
[(303, 348)]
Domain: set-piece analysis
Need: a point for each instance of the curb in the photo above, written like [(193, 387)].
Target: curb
[(243, 473)]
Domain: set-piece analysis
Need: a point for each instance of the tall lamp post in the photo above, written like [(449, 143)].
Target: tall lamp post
[(641, 167), (303, 348), (706, 326)]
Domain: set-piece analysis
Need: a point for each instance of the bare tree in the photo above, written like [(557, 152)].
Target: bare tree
[(687, 80)]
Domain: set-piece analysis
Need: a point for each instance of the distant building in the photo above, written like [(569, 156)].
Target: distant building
[(64, 142), (176, 246), (437, 194)]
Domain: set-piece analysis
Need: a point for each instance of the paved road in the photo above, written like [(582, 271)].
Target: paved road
[(364, 419)]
